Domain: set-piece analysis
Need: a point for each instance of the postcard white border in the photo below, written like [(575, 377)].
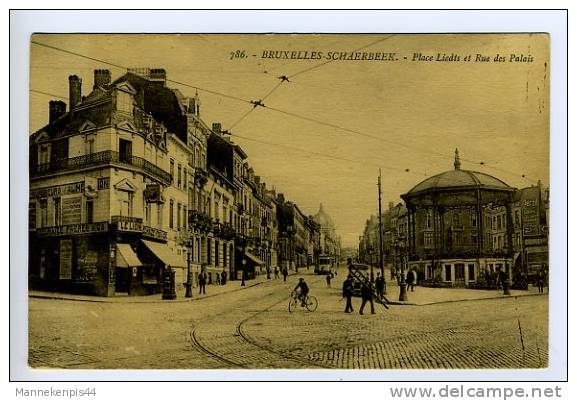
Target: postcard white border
[(24, 23)]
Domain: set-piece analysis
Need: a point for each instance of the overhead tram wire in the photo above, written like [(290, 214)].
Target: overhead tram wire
[(282, 79), (295, 115), (240, 119), (127, 68), (314, 67), (328, 156), (48, 94), (364, 162)]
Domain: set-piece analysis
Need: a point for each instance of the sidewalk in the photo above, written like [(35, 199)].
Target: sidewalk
[(211, 291), (429, 296)]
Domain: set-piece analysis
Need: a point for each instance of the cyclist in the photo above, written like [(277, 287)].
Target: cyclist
[(304, 290)]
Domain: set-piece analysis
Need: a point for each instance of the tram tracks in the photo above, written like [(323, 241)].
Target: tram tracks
[(233, 348)]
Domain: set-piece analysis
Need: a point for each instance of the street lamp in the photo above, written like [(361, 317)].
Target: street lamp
[(371, 252), (189, 272), (403, 283), (290, 243)]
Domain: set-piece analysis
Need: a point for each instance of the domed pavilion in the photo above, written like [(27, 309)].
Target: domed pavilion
[(453, 237)]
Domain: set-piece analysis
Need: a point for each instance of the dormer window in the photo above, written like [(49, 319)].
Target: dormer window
[(124, 102), (44, 154)]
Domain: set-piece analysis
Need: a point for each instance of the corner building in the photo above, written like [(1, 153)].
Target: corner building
[(110, 185)]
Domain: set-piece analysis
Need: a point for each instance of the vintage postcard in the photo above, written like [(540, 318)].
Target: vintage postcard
[(289, 201)]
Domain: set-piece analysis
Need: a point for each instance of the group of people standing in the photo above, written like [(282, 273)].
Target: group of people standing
[(203, 279), (368, 292)]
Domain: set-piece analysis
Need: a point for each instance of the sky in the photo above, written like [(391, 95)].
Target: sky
[(324, 135)]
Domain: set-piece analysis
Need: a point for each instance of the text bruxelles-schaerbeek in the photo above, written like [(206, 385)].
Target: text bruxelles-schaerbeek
[(388, 56)]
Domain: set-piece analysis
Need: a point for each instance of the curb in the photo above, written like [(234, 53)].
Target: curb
[(136, 301), (464, 300)]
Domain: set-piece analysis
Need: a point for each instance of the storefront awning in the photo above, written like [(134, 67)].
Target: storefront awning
[(254, 258), (125, 256), (162, 252)]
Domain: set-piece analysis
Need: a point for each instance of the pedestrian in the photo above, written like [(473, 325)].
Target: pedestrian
[(202, 282), (223, 278), (411, 280), (328, 278), (541, 281), (217, 279), (285, 273), (348, 293), (367, 296), (380, 285), (502, 277)]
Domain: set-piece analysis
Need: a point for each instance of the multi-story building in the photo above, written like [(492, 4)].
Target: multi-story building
[(530, 236), (99, 185)]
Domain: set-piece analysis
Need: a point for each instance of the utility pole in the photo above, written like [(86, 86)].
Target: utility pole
[(381, 265)]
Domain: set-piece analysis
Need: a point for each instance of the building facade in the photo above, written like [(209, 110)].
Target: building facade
[(460, 228)]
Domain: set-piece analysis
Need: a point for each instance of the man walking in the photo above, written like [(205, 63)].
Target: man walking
[(285, 273), (328, 278), (411, 280), (223, 278), (380, 285), (348, 293), (202, 282), (367, 296)]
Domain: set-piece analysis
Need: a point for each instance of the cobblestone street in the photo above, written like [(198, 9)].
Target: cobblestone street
[(253, 329)]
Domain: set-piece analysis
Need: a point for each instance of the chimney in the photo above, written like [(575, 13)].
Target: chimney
[(75, 90), (101, 78), (158, 75), (57, 108), (216, 128)]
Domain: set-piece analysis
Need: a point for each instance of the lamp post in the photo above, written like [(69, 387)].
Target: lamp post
[(188, 284), (242, 283), (403, 283), (290, 247), (371, 252)]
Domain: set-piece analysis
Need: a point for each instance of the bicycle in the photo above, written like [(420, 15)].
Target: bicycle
[(311, 302)]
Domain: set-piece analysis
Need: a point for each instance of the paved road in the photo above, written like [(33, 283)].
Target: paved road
[(253, 329)]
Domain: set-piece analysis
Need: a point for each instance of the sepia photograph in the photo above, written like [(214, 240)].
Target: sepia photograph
[(289, 201)]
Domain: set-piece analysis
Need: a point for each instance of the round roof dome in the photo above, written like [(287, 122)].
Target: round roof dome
[(323, 219), (458, 178)]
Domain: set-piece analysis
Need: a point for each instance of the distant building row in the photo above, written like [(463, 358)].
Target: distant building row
[(129, 180)]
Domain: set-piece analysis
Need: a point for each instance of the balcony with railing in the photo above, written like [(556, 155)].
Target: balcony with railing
[(107, 157)]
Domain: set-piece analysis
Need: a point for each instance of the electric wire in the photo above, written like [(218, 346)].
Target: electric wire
[(295, 115), (314, 67)]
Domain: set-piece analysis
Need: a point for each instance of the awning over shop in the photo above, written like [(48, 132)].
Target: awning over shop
[(125, 256), (162, 252), (254, 258)]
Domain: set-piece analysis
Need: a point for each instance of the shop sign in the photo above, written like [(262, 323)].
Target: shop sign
[(129, 225), (72, 229), (65, 259), (57, 191), (103, 183), (72, 210), (530, 216), (535, 241)]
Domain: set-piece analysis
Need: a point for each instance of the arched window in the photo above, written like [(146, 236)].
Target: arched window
[(456, 219)]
